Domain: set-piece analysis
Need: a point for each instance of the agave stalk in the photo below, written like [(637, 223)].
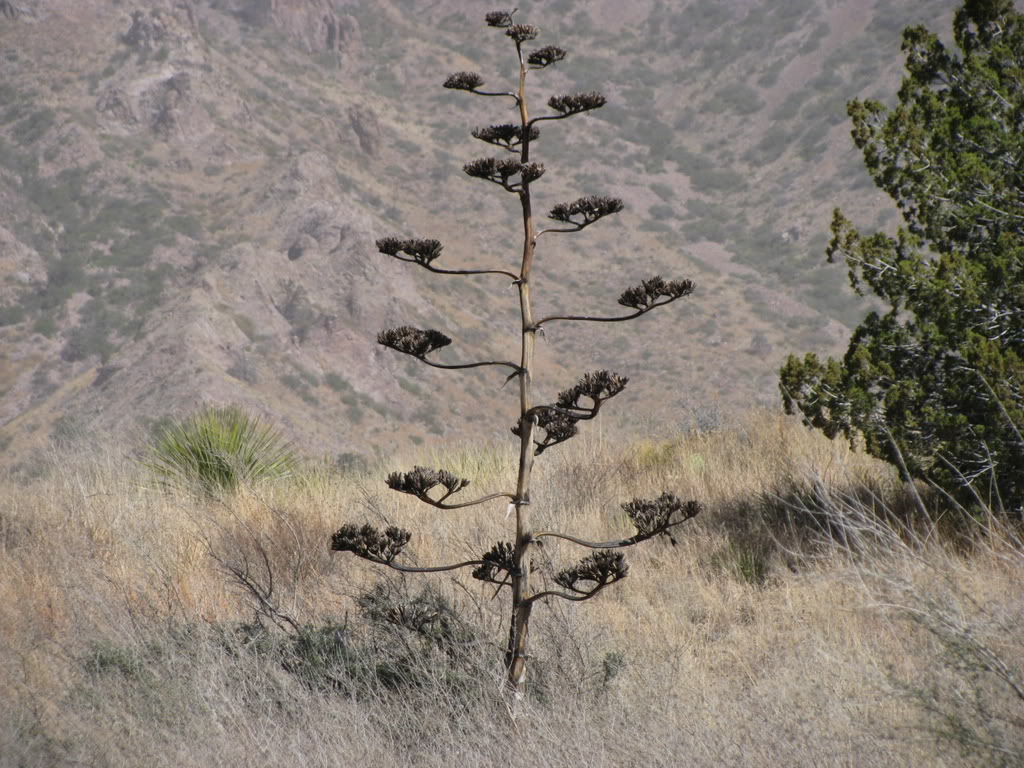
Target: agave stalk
[(539, 427)]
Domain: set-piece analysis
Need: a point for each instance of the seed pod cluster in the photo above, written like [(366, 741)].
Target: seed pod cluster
[(542, 57), (498, 559), (598, 386), (464, 81), (655, 516), (421, 251), (421, 480), (413, 341), (574, 103), (585, 210), (645, 295), (600, 568), (367, 542)]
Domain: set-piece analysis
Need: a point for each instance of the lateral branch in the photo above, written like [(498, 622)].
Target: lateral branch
[(424, 252), (650, 294), (588, 577), (419, 343), (422, 480), (382, 547), (650, 517), (471, 82)]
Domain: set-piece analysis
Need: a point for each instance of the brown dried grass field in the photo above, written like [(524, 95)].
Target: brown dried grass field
[(759, 640)]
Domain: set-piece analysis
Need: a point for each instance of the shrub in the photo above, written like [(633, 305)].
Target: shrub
[(220, 449), (935, 384)]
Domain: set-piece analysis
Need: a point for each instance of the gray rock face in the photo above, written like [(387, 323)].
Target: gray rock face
[(314, 25), (366, 128)]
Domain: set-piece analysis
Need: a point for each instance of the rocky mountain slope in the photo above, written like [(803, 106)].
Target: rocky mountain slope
[(190, 191)]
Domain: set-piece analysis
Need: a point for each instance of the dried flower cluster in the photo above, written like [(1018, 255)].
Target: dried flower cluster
[(598, 386), (421, 480), (464, 81), (574, 103), (585, 210), (549, 54), (559, 421), (371, 544), (421, 251), (506, 135), (522, 32), (646, 295), (601, 568), (558, 427), (499, 19), (413, 341), (497, 561), (652, 517), (500, 171)]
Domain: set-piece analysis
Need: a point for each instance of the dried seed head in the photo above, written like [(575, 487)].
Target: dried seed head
[(499, 19), (500, 171), (482, 168), (531, 172), (421, 480), (645, 295), (573, 103), (598, 386), (585, 210), (420, 251), (522, 32), (600, 568), (497, 559), (390, 246), (369, 543), (413, 341), (558, 427), (464, 81), (549, 54), (654, 516), (506, 135)]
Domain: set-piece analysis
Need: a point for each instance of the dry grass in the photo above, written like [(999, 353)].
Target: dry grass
[(750, 643)]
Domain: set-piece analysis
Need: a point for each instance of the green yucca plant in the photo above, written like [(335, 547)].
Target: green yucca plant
[(219, 449)]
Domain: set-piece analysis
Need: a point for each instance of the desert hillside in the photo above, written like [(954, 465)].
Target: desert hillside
[(191, 189)]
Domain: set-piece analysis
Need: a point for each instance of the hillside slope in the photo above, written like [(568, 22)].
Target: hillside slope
[(191, 190)]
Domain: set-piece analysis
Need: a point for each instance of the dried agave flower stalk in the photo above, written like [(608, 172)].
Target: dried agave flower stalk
[(508, 564)]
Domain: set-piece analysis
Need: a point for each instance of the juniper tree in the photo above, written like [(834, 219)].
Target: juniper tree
[(507, 564), (935, 385)]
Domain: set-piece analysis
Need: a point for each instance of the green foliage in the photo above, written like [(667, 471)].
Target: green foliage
[(935, 384), (219, 449), (336, 382)]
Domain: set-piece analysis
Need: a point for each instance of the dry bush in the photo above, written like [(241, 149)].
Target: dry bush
[(125, 639)]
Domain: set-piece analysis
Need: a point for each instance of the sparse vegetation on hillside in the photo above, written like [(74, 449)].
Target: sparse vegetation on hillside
[(181, 157), (751, 642)]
